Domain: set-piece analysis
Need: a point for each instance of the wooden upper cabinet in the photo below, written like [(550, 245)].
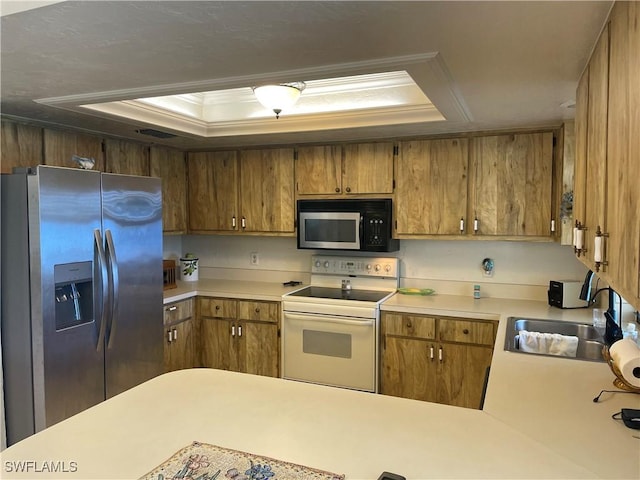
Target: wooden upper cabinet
[(580, 174), (266, 190), (511, 192), (623, 154), (21, 146), (596, 171), (431, 189), (213, 191), (170, 166), (128, 158), (319, 170), (60, 148), (368, 168)]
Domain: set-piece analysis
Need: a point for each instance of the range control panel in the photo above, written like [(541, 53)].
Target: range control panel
[(360, 266)]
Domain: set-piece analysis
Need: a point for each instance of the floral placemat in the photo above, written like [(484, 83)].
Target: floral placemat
[(202, 461)]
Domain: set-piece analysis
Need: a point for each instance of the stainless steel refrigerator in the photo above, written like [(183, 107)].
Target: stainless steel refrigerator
[(81, 291)]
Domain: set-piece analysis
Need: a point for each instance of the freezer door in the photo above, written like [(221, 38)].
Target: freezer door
[(68, 361), (132, 222)]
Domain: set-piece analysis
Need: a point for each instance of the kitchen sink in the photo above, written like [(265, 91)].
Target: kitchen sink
[(590, 340)]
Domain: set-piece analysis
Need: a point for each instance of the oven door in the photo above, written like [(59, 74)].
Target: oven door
[(330, 230), (330, 350)]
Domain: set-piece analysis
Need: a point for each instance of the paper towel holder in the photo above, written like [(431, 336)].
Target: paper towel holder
[(619, 381)]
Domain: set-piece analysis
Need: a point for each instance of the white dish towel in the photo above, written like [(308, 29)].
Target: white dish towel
[(548, 343)]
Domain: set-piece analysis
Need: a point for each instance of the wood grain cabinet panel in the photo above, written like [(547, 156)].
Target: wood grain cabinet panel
[(580, 175), (180, 347), (213, 191), (623, 152), (511, 192), (266, 190), (240, 335), (431, 189), (169, 165), (21, 146), (128, 158), (449, 367), (368, 168), (318, 170), (61, 146)]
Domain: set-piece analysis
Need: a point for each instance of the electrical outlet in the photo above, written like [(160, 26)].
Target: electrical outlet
[(254, 258)]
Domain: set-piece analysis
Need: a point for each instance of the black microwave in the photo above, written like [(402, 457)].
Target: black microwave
[(346, 224)]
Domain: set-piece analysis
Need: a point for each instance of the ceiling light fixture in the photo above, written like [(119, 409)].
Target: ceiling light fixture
[(279, 97)]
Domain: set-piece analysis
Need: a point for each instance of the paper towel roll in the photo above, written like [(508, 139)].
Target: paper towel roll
[(626, 357)]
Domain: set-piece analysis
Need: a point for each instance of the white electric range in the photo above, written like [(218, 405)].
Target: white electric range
[(330, 329)]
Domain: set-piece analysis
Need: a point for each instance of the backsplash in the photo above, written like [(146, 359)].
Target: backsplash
[(522, 270)]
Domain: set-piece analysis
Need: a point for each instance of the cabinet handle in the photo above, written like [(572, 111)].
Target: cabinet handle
[(257, 309), (239, 330), (233, 222), (233, 330), (243, 223), (175, 334), (462, 225), (475, 225), (173, 308), (169, 336), (553, 225), (440, 354), (431, 352), (408, 324), (337, 189), (465, 331), (348, 189)]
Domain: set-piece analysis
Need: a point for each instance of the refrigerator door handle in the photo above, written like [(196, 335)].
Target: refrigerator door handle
[(115, 284), (102, 263)]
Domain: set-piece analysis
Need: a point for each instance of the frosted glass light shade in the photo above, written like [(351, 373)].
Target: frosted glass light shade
[(278, 97)]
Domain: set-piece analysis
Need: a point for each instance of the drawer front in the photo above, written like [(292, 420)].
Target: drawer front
[(467, 331), (178, 311), (258, 311), (218, 307), (409, 325)]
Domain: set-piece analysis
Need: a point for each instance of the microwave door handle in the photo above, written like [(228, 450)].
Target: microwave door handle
[(361, 231)]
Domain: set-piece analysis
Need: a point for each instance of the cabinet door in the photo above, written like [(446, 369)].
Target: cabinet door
[(319, 170), (60, 147), (259, 352), (170, 166), (415, 326), (623, 195), (368, 168), (596, 179), (408, 370), (127, 158), (21, 146), (431, 193), (219, 345), (179, 349), (258, 311), (580, 176), (461, 374), (213, 191), (466, 331), (511, 187), (266, 190)]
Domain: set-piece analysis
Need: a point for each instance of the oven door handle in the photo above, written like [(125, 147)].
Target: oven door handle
[(323, 319)]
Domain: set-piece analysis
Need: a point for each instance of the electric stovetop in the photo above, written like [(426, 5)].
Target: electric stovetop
[(340, 294)]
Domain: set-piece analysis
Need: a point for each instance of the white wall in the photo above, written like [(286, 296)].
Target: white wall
[(522, 270)]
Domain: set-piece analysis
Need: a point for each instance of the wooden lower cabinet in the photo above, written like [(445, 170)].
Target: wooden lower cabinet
[(435, 359), (180, 348), (240, 335)]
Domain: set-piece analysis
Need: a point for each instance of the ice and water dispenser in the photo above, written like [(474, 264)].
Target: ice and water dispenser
[(74, 294)]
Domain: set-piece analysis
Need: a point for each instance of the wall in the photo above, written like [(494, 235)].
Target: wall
[(522, 270)]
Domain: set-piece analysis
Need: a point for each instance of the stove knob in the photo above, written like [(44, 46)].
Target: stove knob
[(326, 264), (387, 268), (377, 268), (368, 266), (317, 263)]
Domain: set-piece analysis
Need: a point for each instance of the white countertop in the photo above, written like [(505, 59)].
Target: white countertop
[(267, 291), (539, 420)]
